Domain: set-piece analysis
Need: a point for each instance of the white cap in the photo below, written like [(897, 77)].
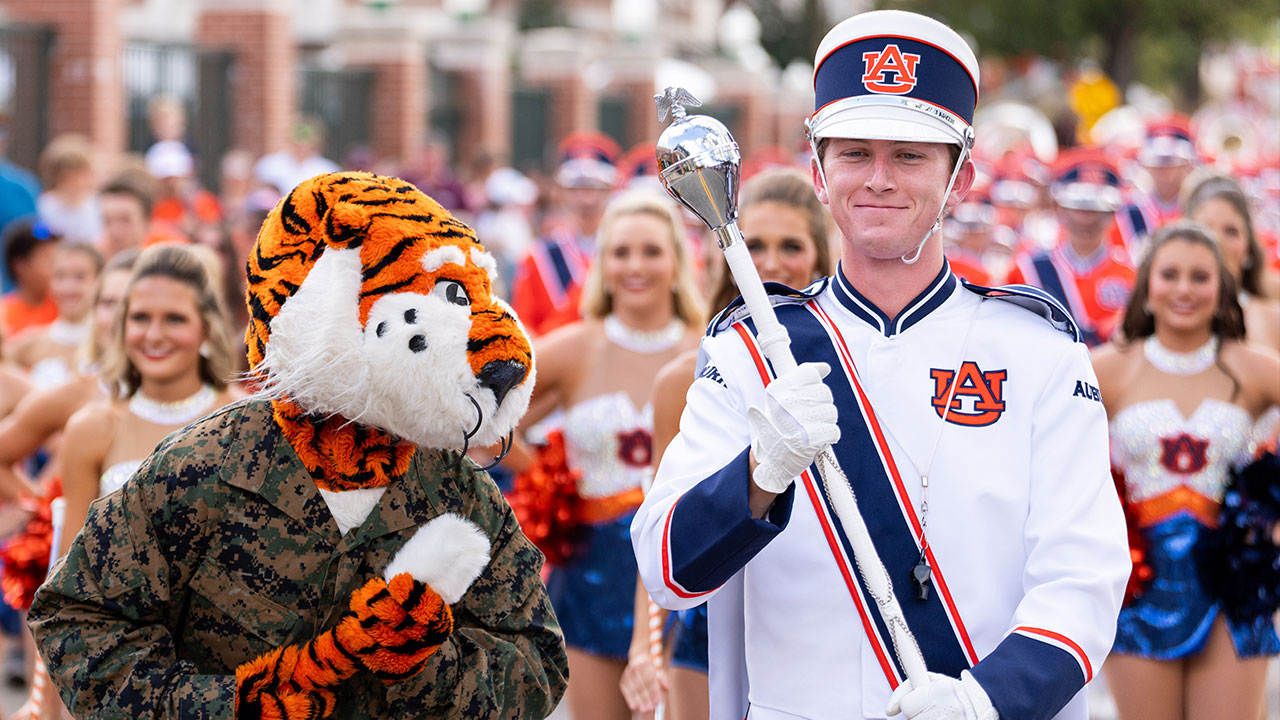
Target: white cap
[(169, 158), (894, 75)]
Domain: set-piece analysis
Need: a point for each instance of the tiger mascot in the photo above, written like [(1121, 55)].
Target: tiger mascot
[(324, 548)]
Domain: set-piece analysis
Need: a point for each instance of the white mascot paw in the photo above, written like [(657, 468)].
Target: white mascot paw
[(448, 553)]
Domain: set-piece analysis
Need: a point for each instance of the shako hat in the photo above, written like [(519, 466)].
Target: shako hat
[(894, 75), (1168, 142), (1084, 178), (588, 159)]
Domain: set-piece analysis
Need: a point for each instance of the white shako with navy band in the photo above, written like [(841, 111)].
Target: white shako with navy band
[(894, 75)]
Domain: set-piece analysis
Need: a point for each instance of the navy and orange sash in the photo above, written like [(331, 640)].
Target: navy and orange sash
[(865, 457)]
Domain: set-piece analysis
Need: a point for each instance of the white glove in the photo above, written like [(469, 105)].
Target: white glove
[(944, 698), (797, 422)]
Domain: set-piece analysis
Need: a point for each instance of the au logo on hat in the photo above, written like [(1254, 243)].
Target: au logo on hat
[(889, 71)]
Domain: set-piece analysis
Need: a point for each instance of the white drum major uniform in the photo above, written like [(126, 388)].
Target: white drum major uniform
[(969, 425)]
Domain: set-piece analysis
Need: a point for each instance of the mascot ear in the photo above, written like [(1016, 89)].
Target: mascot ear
[(346, 223)]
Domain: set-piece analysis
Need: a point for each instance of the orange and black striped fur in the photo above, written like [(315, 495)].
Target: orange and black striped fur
[(402, 240), (374, 331)]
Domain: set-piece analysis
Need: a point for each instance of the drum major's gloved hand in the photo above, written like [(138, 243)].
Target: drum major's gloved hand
[(797, 421)]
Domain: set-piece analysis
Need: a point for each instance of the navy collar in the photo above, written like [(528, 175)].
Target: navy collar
[(932, 297)]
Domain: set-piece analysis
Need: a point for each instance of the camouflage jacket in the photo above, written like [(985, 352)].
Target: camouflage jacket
[(220, 548)]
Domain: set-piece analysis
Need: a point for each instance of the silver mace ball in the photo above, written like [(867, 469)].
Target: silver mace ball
[(699, 163)]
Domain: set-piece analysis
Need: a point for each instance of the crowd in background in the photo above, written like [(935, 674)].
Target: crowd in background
[(88, 260)]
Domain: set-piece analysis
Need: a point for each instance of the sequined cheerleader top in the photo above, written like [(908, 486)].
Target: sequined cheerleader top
[(1176, 464), (609, 440)]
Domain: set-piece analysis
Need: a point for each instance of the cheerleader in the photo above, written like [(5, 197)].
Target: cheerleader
[(167, 364), (1182, 394), (640, 311)]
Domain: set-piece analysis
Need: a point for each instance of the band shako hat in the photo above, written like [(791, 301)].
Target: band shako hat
[(1084, 178), (894, 75), (588, 159), (1168, 142)]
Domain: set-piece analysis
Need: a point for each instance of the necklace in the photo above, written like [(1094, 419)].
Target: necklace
[(643, 341), (178, 412), (1176, 363)]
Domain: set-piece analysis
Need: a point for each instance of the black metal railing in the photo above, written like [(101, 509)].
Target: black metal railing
[(342, 100), (25, 67), (198, 79)]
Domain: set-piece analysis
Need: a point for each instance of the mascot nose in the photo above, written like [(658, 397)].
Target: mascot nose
[(502, 375)]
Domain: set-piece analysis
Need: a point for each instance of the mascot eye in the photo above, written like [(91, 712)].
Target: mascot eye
[(453, 291)]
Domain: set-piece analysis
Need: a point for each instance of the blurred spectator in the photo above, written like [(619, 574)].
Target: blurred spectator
[(244, 228), (1168, 155), (216, 237), (505, 226), (167, 119), (548, 283), (302, 160), (68, 205), (18, 192), (126, 202), (1086, 275), (29, 246), (235, 182), (48, 353), (181, 205), (431, 171), (1218, 203)]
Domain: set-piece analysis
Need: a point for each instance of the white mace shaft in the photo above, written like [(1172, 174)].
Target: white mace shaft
[(776, 344)]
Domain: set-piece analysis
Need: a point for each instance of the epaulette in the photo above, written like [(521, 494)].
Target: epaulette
[(779, 294), (1034, 299)]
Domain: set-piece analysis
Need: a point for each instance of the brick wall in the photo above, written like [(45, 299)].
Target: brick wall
[(86, 94), (399, 106), (265, 84)]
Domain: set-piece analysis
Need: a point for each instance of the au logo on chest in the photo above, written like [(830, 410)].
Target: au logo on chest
[(889, 70), (977, 396), (1183, 454)]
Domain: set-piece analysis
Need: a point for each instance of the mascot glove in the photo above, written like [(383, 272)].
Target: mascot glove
[(944, 698), (798, 420)]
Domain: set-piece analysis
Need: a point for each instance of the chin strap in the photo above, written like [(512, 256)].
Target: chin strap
[(955, 172), (937, 224)]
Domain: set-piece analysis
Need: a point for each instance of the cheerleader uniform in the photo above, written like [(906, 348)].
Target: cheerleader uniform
[(1176, 470), (609, 441)]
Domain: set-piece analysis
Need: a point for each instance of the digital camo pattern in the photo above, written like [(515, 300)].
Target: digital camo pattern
[(220, 548)]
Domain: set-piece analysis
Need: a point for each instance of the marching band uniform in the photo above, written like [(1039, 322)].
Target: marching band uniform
[(547, 287), (1095, 288), (971, 431), (548, 282), (1168, 144), (1025, 539)]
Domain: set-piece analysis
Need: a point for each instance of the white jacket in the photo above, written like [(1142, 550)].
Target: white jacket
[(1026, 537)]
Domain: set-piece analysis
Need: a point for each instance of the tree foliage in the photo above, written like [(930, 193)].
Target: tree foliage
[(1157, 42), (790, 30)]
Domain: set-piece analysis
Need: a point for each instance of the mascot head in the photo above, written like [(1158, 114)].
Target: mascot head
[(372, 307)]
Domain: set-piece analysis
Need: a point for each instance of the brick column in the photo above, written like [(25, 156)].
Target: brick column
[(556, 58), (479, 56), (86, 92), (266, 94), (399, 91)]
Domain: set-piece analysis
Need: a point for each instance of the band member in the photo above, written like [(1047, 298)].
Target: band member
[(1082, 272), (968, 424)]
